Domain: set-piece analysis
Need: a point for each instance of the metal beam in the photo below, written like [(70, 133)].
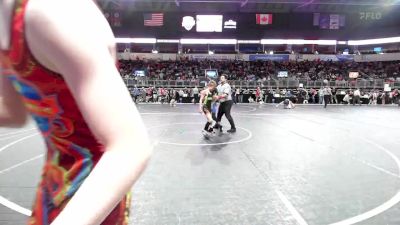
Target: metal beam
[(244, 3), (294, 2)]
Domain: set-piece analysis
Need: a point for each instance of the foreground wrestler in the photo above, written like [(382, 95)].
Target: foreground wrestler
[(58, 65)]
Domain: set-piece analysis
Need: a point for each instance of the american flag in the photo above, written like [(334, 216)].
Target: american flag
[(154, 19)]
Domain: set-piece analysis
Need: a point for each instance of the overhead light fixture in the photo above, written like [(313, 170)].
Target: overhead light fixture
[(375, 41), (167, 41), (123, 40), (136, 40), (342, 42), (280, 41), (144, 40), (248, 41), (297, 42), (209, 41)]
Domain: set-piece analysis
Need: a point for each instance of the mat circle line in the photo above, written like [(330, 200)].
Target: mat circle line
[(249, 136)]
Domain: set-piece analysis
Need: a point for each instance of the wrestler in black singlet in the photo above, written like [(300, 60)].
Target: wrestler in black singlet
[(207, 101)]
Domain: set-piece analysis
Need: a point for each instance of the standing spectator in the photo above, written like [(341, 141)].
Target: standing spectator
[(334, 97), (301, 96), (233, 93), (237, 94), (387, 98), (181, 93), (258, 94), (270, 95), (242, 93), (136, 93), (162, 94), (313, 95), (390, 97), (195, 94), (174, 97), (327, 95), (395, 96), (346, 98), (321, 96), (149, 94), (374, 98), (155, 95), (356, 97)]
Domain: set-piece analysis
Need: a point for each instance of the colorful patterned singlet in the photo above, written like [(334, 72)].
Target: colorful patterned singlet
[(72, 150)]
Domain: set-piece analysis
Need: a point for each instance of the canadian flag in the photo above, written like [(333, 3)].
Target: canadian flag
[(264, 19)]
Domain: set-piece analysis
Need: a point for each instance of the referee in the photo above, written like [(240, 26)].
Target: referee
[(225, 98)]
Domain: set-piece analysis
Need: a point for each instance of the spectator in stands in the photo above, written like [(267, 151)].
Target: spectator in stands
[(315, 70)]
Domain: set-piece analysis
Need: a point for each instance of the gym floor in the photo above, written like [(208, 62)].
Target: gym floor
[(308, 165)]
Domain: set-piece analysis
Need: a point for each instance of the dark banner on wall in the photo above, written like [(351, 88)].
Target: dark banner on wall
[(277, 58), (249, 26)]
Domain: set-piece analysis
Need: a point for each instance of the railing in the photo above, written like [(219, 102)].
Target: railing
[(281, 83)]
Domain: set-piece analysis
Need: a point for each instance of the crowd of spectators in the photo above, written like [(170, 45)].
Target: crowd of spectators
[(186, 69), (264, 95)]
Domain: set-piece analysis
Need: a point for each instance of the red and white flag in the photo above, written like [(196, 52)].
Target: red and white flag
[(264, 19)]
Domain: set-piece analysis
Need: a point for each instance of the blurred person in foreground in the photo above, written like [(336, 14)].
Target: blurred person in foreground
[(55, 66)]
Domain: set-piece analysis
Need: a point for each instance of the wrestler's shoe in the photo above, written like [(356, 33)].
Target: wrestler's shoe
[(232, 130)]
